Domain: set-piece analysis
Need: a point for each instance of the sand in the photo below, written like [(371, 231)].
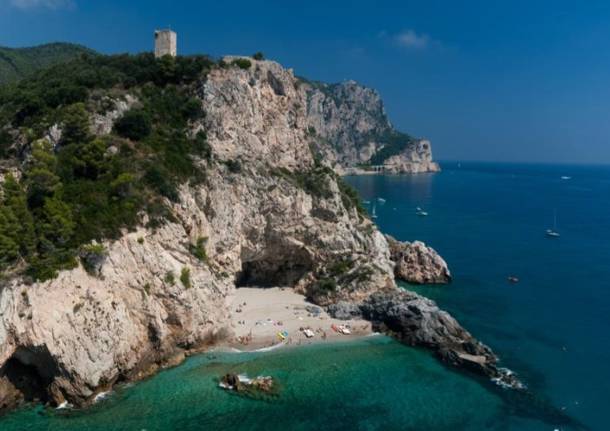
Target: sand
[(258, 314)]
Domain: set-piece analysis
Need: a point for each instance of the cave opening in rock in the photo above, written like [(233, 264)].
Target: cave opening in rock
[(31, 371), (280, 269)]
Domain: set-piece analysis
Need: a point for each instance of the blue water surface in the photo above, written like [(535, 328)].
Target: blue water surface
[(489, 221)]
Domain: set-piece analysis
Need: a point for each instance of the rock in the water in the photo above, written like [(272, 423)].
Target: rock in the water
[(417, 321), (257, 387), (417, 263)]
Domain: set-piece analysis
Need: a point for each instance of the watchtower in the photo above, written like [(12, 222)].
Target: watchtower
[(166, 43)]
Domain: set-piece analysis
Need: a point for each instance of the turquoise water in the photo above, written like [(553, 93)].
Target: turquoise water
[(488, 221)]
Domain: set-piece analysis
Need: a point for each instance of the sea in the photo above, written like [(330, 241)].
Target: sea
[(489, 222)]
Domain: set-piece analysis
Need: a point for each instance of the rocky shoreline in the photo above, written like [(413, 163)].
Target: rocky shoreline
[(268, 213)]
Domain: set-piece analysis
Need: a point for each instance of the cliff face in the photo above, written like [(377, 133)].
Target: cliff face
[(266, 214), (353, 130)]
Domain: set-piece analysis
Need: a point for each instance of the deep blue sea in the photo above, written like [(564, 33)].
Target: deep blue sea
[(488, 221)]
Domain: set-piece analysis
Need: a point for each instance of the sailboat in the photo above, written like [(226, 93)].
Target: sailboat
[(552, 233), (374, 213), (420, 212)]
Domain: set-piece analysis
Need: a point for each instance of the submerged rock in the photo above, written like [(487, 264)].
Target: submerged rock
[(417, 263), (257, 387)]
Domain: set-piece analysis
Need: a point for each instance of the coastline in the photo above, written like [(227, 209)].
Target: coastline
[(260, 315)]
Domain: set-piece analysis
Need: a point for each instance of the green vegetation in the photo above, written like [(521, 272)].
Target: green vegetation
[(185, 277), (242, 63), (234, 166), (198, 249), (18, 63), (90, 188), (92, 256), (170, 278), (315, 181), (326, 286), (258, 56), (394, 143), (340, 267), (135, 125), (350, 197)]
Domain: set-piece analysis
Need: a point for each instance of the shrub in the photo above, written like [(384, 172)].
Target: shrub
[(198, 249), (185, 277), (135, 124), (92, 257), (326, 285), (169, 278), (258, 56), (242, 63), (234, 166), (340, 267), (350, 197)]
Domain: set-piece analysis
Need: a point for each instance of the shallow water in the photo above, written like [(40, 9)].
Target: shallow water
[(488, 221), (370, 384)]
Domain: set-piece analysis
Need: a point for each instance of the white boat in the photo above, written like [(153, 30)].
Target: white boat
[(344, 330), (366, 202), (308, 333), (552, 233), (420, 212), (381, 200), (565, 177), (374, 212)]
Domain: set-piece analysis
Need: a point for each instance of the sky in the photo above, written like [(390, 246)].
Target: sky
[(512, 81)]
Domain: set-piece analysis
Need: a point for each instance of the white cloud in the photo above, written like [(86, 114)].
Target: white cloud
[(410, 39), (42, 4)]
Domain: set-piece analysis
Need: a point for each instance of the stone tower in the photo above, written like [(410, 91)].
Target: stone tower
[(166, 43)]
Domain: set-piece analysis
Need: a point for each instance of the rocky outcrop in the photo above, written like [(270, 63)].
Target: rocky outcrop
[(351, 129), (417, 263), (418, 321), (110, 111), (150, 301)]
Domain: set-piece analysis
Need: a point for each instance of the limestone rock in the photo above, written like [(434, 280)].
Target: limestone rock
[(350, 125), (417, 263), (76, 335), (102, 123)]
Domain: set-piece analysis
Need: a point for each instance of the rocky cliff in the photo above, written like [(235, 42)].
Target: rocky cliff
[(266, 213), (353, 132)]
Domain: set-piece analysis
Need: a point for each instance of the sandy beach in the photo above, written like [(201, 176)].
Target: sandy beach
[(259, 315)]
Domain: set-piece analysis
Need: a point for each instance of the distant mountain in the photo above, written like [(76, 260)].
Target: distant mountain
[(17, 63)]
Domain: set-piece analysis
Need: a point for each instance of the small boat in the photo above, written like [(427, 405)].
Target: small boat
[(513, 279), (334, 327), (420, 212), (565, 177), (381, 200), (344, 330), (366, 202), (552, 233), (374, 212), (282, 335), (308, 333)]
